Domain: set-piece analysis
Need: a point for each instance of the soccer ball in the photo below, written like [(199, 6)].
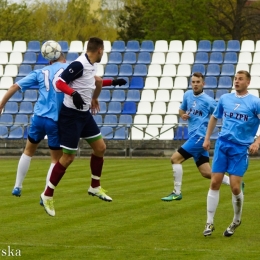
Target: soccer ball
[(51, 50)]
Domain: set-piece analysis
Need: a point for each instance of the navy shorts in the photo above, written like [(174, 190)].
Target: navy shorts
[(75, 124)]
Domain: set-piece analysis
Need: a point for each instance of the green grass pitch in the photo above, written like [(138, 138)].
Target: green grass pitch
[(136, 225)]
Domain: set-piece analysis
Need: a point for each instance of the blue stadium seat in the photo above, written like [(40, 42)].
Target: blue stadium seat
[(106, 132), (26, 107), (209, 92), (121, 133), (29, 58), (41, 60), (3, 132), (18, 78), (218, 45), (111, 70), (126, 70), (178, 133), (204, 45), (21, 119), (140, 70), (213, 70), (34, 46), (147, 46), (24, 70), (11, 108), (133, 95), (136, 83), (144, 58), (129, 107), (71, 56), (228, 70), (210, 82), (132, 46), (110, 120), (125, 119), (198, 68), (219, 93), (17, 97), (115, 58), (233, 45), (30, 95), (104, 96), (6, 120), (129, 58), (202, 58), (118, 95), (185, 133), (216, 57), (118, 46), (16, 132), (230, 57), (38, 66), (225, 82), (114, 107), (103, 108), (98, 120), (64, 46)]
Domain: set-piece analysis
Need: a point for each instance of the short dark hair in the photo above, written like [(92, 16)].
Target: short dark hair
[(245, 73), (198, 75), (94, 43)]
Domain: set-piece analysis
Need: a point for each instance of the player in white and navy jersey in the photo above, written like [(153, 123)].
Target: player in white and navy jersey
[(241, 117), (81, 88), (196, 109), (45, 117)]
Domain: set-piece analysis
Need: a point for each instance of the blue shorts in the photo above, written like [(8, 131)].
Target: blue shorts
[(41, 126), (194, 147), (73, 125), (230, 157)]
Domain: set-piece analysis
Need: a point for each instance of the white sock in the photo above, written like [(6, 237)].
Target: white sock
[(226, 180), (212, 203), (177, 178), (22, 169), (49, 175), (237, 201)]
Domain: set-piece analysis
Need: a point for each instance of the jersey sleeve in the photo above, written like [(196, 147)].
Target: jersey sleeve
[(218, 112), (72, 72), (28, 81)]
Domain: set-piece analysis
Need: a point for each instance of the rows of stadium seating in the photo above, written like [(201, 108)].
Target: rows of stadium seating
[(157, 74)]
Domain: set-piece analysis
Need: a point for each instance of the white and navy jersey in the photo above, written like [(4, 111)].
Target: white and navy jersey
[(50, 98), (79, 75), (240, 117), (199, 107)]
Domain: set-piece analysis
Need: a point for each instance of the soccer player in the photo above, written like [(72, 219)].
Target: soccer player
[(241, 113), (45, 117), (81, 89), (196, 109)]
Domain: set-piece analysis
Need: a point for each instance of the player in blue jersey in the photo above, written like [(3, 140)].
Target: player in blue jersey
[(81, 88), (45, 117), (196, 109), (241, 113)]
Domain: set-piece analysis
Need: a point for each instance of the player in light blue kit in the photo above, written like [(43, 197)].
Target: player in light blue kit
[(241, 114), (45, 117), (196, 108)]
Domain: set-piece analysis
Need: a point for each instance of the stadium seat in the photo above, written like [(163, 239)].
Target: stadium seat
[(115, 58), (2, 93), (175, 46), (184, 70), (126, 86), (103, 108), (162, 95), (178, 133), (16, 97), (187, 58), (107, 132), (255, 70), (129, 58), (98, 120), (38, 66), (144, 58), (15, 58), (104, 59), (210, 82), (158, 58), (213, 70), (148, 95), (140, 70), (198, 68), (136, 83), (242, 66), (3, 132), (151, 133), (136, 133), (3, 58), (219, 93), (107, 46), (104, 95), (256, 58), (118, 95), (1, 70), (177, 95), (254, 82), (216, 57), (159, 108), (20, 46), (209, 92), (41, 60), (254, 92), (33, 46), (155, 120), (165, 83), (21, 120), (121, 133), (64, 46), (227, 70), (245, 57), (100, 70), (6, 46), (180, 83), (111, 70), (132, 46), (230, 57), (151, 83), (166, 133), (189, 46), (24, 70), (147, 46), (170, 120), (11, 70), (169, 70), (182, 122), (71, 56), (118, 46), (11, 108), (6, 82), (173, 108), (233, 45), (110, 120), (247, 46), (154, 70), (29, 58), (126, 70), (172, 58), (201, 58), (218, 45), (114, 107), (204, 45), (30, 95), (133, 95), (257, 46), (144, 107), (140, 121), (76, 46), (161, 46), (129, 107), (185, 133), (6, 120), (26, 107), (225, 82)]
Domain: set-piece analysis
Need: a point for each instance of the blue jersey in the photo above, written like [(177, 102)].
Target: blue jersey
[(199, 108), (50, 98), (240, 117)]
